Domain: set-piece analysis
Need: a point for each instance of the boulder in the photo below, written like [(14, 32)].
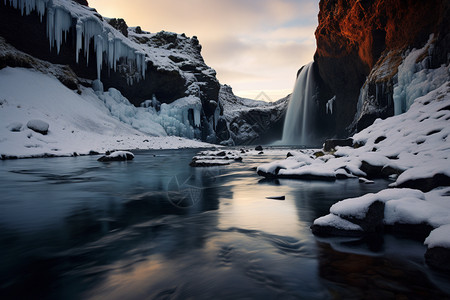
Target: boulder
[(117, 156), (372, 171), (259, 148), (438, 258), (331, 144), (38, 126), (373, 220), (426, 184)]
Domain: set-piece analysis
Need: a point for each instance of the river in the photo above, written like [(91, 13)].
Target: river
[(155, 228)]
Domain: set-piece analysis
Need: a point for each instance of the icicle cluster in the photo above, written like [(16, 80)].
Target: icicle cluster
[(329, 105), (108, 48)]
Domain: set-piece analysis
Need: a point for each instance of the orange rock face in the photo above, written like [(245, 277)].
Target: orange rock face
[(352, 35), (369, 27)]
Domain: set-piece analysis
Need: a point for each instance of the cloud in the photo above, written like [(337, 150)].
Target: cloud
[(252, 44)]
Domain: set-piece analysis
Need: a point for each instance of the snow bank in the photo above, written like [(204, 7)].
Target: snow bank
[(416, 79), (337, 222), (77, 123), (414, 145), (439, 237), (402, 206)]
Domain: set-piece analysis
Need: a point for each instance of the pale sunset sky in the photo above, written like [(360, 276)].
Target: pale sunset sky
[(254, 45)]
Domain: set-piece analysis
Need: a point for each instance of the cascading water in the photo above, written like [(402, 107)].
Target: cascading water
[(297, 125)]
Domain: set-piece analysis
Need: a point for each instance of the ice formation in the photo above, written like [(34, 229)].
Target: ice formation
[(77, 123), (329, 105), (297, 128), (109, 46), (415, 79), (180, 118)]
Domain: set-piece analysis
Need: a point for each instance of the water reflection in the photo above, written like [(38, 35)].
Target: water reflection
[(73, 228), (350, 275)]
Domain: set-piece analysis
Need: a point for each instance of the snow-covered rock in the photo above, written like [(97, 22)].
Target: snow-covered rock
[(211, 158), (413, 145), (438, 252), (405, 210), (117, 156), (38, 126)]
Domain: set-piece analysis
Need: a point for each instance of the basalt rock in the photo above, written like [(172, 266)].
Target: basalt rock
[(331, 144), (427, 183), (120, 25), (438, 258), (355, 36)]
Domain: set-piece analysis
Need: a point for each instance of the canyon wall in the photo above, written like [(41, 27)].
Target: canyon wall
[(358, 38), (143, 66)]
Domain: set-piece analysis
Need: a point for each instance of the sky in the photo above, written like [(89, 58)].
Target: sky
[(254, 45)]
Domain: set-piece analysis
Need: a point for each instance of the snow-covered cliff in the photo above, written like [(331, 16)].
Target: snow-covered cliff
[(146, 68), (362, 50), (250, 121)]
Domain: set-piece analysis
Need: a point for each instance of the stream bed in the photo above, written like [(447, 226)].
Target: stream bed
[(156, 228)]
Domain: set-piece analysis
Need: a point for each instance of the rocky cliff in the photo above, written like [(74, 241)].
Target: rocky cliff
[(358, 38), (247, 122), (143, 66)]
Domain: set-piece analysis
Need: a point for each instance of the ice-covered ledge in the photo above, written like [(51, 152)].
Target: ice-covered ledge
[(110, 45)]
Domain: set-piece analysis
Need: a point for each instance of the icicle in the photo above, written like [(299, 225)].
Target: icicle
[(110, 51), (79, 29), (197, 117), (40, 7), (62, 24), (98, 40), (117, 52), (329, 105), (50, 26), (108, 48)]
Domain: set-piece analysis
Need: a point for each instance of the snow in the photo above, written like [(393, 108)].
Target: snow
[(402, 206), (365, 180), (78, 123), (238, 112), (121, 154), (415, 144), (107, 41), (233, 105), (336, 222), (291, 163), (358, 207), (38, 125), (439, 237), (15, 126)]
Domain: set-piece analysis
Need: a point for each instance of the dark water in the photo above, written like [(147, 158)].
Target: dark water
[(154, 228)]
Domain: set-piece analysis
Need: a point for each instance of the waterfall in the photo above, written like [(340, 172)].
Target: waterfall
[(297, 125)]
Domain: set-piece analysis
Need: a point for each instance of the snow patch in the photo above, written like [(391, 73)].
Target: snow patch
[(337, 222), (439, 237), (79, 123)]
